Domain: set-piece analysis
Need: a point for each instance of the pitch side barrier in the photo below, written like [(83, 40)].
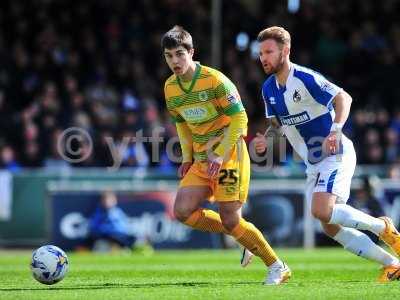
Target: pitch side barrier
[(48, 208)]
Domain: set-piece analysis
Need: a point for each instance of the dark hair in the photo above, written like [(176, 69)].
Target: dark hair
[(276, 33), (175, 37)]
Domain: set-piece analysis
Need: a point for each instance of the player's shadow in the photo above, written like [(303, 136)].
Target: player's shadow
[(129, 286)]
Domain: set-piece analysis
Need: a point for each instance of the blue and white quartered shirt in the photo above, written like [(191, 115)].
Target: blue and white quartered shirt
[(305, 111)]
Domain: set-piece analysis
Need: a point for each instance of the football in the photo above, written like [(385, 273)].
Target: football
[(49, 264)]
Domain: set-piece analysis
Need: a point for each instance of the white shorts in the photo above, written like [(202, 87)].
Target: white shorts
[(332, 175)]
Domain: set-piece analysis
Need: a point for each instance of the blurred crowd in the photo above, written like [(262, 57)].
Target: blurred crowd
[(98, 65)]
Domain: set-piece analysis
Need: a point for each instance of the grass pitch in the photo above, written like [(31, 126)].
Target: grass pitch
[(206, 274)]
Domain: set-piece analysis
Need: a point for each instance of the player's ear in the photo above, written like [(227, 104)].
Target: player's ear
[(286, 50), (191, 52)]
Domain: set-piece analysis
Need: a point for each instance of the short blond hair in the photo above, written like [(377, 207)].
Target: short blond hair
[(276, 33)]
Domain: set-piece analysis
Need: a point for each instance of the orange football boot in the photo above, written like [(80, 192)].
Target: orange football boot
[(390, 235), (389, 273)]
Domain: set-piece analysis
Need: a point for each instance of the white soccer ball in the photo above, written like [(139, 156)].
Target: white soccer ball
[(49, 264)]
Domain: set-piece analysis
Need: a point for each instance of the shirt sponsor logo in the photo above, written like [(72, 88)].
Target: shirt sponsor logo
[(295, 119), (196, 114)]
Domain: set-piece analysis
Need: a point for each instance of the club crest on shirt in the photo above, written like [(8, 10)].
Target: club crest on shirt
[(296, 96), (203, 96)]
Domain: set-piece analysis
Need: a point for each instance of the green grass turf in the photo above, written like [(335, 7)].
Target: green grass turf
[(191, 274)]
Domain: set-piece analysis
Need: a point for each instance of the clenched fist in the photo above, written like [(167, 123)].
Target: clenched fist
[(260, 143), (331, 143)]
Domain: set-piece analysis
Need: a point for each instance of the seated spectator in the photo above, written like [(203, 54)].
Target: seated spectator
[(109, 225), (8, 160), (394, 171)]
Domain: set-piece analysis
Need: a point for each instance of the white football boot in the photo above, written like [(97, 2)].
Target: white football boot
[(247, 257), (278, 273)]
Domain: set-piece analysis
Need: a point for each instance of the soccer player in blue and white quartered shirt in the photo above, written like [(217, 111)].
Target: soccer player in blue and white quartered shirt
[(311, 112)]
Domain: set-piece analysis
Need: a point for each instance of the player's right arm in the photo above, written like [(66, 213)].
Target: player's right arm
[(342, 103), (185, 139), (260, 142)]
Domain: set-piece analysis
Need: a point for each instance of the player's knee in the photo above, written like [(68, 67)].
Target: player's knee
[(181, 213), (182, 210), (321, 214), (229, 222), (330, 229), (322, 206)]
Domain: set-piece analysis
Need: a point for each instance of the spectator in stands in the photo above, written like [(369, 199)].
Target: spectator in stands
[(91, 63), (395, 124), (8, 160), (392, 150), (133, 153), (54, 160), (394, 172)]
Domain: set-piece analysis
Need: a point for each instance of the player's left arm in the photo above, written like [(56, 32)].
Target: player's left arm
[(236, 129), (229, 100), (341, 103), (329, 94)]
